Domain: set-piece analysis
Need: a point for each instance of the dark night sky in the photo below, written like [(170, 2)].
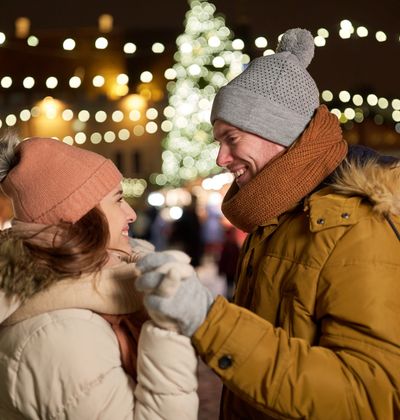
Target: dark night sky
[(353, 64)]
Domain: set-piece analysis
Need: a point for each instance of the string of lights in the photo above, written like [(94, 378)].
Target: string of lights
[(345, 29)]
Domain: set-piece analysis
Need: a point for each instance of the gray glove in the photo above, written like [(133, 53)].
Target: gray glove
[(173, 295)]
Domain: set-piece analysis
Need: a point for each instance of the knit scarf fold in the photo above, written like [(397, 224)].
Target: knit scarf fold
[(286, 180)]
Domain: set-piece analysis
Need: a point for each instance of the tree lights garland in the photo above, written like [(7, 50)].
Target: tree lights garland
[(206, 60)]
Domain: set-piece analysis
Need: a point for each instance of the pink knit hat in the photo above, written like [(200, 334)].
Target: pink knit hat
[(54, 182)]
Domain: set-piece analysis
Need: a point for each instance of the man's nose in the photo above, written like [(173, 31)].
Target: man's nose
[(224, 156)]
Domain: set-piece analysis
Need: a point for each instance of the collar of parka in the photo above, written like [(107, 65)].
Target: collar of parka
[(112, 291), (353, 183)]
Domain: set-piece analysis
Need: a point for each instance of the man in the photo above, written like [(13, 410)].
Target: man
[(314, 331)]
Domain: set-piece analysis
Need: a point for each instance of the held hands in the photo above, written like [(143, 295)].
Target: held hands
[(173, 295)]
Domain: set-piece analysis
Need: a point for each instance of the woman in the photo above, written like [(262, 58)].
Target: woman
[(68, 309)]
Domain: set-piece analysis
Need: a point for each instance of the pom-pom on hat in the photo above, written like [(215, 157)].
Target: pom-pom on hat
[(275, 97), (51, 182)]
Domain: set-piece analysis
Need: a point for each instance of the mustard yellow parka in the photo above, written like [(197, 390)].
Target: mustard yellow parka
[(320, 338)]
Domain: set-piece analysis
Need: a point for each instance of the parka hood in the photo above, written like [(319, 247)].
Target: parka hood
[(374, 177)]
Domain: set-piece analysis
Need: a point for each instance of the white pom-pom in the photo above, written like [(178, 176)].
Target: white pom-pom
[(299, 42)]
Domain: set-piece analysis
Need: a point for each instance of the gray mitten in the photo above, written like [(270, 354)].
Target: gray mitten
[(174, 297)]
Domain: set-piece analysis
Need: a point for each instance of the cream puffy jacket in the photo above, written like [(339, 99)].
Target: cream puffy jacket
[(60, 360)]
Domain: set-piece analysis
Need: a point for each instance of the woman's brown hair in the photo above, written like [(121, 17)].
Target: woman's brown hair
[(29, 265), (82, 250)]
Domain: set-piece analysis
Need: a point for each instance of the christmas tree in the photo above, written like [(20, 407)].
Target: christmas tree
[(206, 59)]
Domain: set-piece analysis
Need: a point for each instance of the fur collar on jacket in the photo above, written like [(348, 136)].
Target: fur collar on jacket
[(374, 177), (111, 292)]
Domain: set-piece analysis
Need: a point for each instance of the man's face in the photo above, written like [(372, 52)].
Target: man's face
[(242, 153)]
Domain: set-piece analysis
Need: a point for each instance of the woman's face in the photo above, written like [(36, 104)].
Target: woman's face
[(119, 214)]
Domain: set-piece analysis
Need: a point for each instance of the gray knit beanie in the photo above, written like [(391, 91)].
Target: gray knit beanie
[(275, 97)]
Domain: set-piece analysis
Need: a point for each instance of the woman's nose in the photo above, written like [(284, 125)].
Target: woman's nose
[(130, 213)]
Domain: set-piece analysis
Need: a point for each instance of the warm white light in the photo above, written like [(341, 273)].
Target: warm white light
[(11, 120), (25, 115), (138, 130), (35, 111), (396, 104), (237, 44), (51, 82), (95, 138), (49, 107), (146, 77), (327, 95), (372, 99), (362, 31), (151, 127), (396, 115), (156, 199), (68, 140), (175, 213), (122, 79), (186, 48), (69, 44), (32, 41), (358, 100), (117, 116), (323, 32), (83, 115), (67, 115), (336, 112), (101, 43), (349, 113), (158, 48), (129, 48), (6, 82), (169, 111), (75, 82), (344, 96), (109, 136), (166, 126), (98, 81), (134, 115), (80, 138), (218, 62), (194, 69), (2, 38), (151, 113), (268, 52), (170, 74), (383, 103), (319, 41), (261, 42), (100, 116), (344, 34), (123, 134), (214, 41), (381, 36), (28, 82), (346, 25)]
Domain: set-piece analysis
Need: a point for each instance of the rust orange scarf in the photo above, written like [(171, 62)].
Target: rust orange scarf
[(289, 178)]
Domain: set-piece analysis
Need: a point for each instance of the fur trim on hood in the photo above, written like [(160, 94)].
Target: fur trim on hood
[(379, 183)]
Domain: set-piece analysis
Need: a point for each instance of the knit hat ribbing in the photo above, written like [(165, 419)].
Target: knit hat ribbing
[(54, 182), (275, 97)]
